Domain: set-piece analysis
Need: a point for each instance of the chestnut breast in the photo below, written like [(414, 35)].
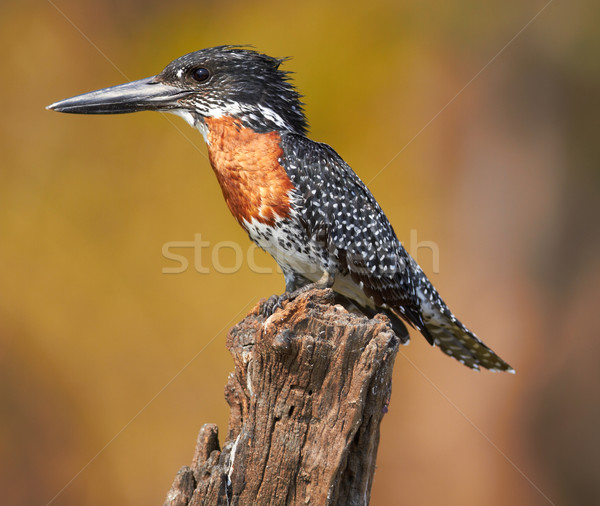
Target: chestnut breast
[(249, 171)]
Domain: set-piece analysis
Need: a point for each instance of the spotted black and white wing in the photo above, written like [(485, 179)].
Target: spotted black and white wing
[(339, 211)]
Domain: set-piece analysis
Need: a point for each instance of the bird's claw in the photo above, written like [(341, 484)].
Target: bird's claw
[(273, 303)]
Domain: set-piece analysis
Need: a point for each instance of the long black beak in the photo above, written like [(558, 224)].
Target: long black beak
[(143, 95)]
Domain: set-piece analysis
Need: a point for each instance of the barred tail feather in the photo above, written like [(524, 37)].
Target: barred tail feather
[(457, 341), (453, 338)]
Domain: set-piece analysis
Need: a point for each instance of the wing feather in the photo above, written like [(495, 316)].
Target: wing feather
[(338, 210)]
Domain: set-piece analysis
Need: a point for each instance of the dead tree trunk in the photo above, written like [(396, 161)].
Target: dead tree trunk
[(310, 387)]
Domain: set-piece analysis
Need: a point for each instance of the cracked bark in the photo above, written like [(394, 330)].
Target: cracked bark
[(310, 387)]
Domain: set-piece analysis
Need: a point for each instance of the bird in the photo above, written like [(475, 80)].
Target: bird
[(296, 198)]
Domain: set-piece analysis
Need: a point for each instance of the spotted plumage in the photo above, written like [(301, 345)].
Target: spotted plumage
[(296, 198)]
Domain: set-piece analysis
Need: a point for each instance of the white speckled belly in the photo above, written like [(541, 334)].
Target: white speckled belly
[(286, 243)]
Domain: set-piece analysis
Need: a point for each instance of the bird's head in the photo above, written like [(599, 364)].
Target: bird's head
[(211, 83)]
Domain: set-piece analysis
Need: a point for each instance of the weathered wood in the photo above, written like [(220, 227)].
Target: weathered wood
[(310, 387)]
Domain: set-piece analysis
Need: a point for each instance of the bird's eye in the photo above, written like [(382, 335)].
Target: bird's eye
[(200, 75)]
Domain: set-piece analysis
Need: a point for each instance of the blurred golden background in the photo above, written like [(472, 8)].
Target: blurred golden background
[(481, 142)]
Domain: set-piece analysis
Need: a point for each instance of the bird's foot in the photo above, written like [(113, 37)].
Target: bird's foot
[(326, 281), (273, 303)]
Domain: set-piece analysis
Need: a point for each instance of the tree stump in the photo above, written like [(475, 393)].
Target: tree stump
[(310, 387)]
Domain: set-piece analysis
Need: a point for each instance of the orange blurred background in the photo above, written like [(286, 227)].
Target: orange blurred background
[(108, 366)]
